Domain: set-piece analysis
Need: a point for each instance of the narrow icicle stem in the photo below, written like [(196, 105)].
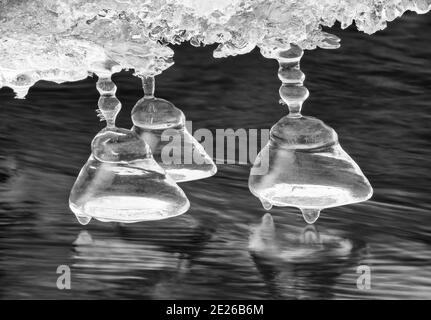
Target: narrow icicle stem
[(109, 105), (292, 91), (148, 86)]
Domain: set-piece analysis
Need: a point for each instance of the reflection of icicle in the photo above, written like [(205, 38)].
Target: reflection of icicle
[(310, 236), (117, 256), (121, 181), (163, 126), (306, 245), (135, 33), (155, 266), (148, 85)]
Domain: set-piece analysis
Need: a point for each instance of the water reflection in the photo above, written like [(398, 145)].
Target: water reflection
[(13, 179), (10, 177), (301, 263)]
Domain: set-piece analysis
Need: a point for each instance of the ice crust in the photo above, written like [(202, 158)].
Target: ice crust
[(65, 40)]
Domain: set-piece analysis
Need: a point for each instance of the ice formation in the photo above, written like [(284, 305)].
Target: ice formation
[(121, 181), (270, 243), (303, 165), (163, 126), (63, 40)]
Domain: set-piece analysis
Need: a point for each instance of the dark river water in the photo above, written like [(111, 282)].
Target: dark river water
[(375, 91)]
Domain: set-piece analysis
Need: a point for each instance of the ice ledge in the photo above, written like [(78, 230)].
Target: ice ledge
[(64, 40)]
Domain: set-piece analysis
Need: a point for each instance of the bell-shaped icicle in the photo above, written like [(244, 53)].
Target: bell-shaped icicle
[(303, 165), (160, 124), (121, 181)]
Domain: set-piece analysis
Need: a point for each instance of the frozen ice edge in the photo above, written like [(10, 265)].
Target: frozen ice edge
[(64, 40)]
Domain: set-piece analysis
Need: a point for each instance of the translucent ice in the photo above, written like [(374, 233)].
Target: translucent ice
[(60, 40), (121, 181), (121, 193)]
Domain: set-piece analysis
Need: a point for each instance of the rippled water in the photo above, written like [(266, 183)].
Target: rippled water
[(375, 92)]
